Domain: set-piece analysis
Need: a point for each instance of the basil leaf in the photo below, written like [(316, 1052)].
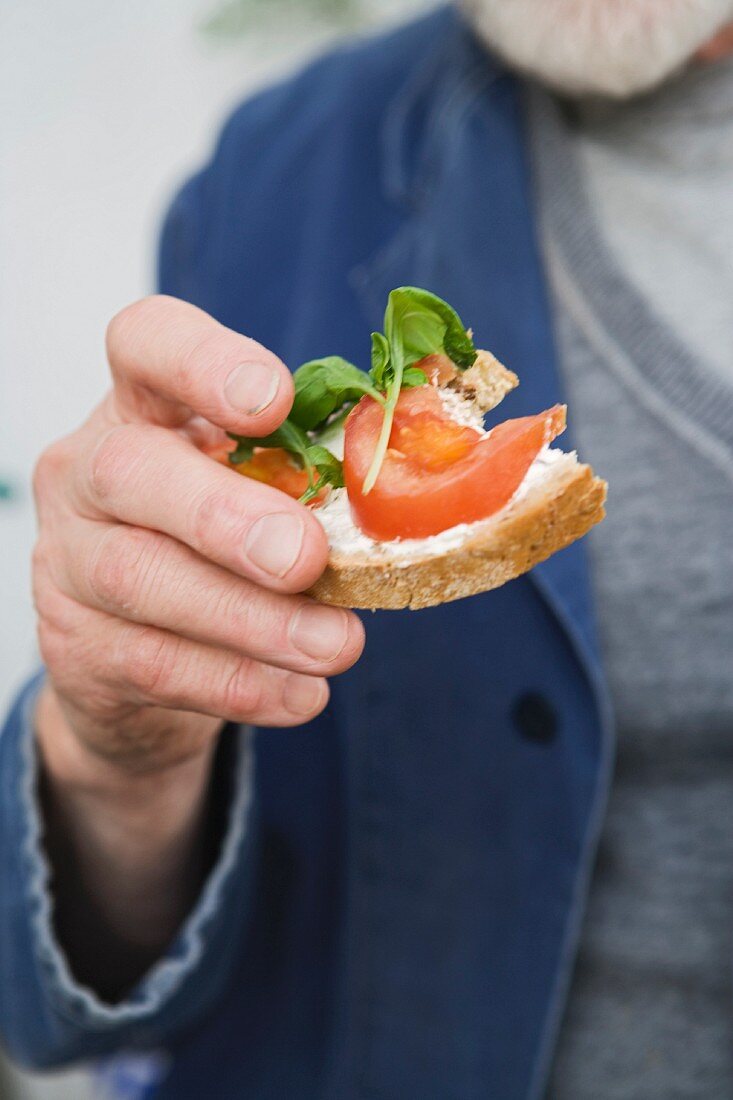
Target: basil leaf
[(380, 360), (324, 385), (331, 472), (314, 458), (413, 376), (328, 466), (426, 324), (243, 452), (335, 427), (288, 436), (416, 324)]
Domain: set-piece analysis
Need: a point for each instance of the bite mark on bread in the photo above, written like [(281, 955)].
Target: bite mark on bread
[(487, 382)]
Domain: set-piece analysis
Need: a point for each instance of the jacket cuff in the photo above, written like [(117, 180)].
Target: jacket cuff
[(32, 900)]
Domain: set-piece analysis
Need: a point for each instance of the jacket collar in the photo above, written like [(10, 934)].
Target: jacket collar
[(421, 116), (455, 158)]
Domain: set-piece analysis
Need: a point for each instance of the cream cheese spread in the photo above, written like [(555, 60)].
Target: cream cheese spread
[(344, 536), (463, 410)]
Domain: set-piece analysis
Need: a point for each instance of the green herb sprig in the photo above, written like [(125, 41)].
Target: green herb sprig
[(416, 324), (323, 386), (322, 467)]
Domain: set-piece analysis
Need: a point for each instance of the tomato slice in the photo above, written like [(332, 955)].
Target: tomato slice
[(437, 473), (431, 443), (275, 467), (438, 368)]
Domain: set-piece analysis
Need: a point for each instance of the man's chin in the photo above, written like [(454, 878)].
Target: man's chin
[(610, 48)]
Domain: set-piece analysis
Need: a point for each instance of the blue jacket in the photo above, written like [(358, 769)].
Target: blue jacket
[(395, 913)]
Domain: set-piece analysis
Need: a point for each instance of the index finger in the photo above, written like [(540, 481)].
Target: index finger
[(150, 477), (169, 358)]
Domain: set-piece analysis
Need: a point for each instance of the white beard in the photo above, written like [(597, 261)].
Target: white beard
[(613, 48)]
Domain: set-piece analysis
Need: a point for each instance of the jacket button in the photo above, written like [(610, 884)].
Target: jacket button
[(535, 717)]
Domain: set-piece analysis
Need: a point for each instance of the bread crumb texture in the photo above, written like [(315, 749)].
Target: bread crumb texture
[(550, 517)]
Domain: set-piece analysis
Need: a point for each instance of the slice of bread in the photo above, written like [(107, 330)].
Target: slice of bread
[(554, 513), (546, 515)]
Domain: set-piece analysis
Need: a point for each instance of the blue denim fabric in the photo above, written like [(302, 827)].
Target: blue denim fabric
[(418, 867), (47, 1017)]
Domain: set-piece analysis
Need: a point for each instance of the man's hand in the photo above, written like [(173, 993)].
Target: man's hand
[(164, 582), (167, 595)]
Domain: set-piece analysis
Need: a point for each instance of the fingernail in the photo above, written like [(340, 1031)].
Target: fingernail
[(319, 632), (302, 695), (251, 387), (274, 542)]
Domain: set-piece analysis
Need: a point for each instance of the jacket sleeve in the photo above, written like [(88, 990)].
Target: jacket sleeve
[(46, 1017)]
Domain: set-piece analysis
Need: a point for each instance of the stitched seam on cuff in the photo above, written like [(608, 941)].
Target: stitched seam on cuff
[(78, 1003)]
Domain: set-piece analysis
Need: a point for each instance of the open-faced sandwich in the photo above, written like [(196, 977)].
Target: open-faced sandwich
[(420, 503)]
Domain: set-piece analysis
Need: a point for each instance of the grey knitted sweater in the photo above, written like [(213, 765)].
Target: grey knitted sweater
[(650, 1008)]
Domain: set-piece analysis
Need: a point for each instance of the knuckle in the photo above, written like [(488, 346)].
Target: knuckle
[(42, 590), (213, 516), (40, 562), (147, 659), (108, 571), (62, 645), (113, 458), (125, 324), (109, 459), (200, 360), (117, 571), (243, 690), (53, 607), (242, 613), (49, 470), (52, 645)]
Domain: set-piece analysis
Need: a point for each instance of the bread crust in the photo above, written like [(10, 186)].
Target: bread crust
[(487, 382), (552, 514)]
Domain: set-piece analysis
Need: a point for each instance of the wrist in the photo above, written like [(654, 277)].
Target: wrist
[(69, 763), (141, 819), (137, 843)]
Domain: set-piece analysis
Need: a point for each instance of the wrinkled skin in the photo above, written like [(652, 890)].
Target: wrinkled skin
[(159, 616), (168, 596)]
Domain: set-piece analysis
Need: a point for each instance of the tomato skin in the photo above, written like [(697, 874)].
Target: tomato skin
[(438, 368), (414, 498), (220, 451), (273, 466)]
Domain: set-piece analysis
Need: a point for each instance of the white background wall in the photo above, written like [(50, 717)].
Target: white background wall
[(104, 108)]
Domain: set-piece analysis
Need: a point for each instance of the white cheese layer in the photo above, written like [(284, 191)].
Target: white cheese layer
[(462, 410), (344, 536)]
